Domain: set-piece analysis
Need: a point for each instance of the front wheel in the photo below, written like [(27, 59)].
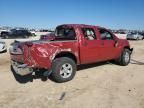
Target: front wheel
[(125, 57), (63, 69)]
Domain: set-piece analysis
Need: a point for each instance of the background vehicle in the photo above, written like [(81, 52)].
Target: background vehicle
[(135, 36), (120, 34), (70, 45), (16, 34), (142, 33), (3, 47)]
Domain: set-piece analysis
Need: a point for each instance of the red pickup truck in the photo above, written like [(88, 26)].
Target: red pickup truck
[(70, 45)]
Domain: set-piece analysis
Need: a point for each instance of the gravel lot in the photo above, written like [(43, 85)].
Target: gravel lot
[(102, 85)]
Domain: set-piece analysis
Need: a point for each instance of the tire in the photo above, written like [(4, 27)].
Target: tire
[(125, 57), (63, 69), (5, 36)]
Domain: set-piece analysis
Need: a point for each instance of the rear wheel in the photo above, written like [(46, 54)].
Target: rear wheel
[(63, 69), (125, 57)]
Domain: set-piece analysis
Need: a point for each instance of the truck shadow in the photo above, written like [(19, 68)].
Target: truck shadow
[(136, 62), (28, 78), (87, 66), (31, 78)]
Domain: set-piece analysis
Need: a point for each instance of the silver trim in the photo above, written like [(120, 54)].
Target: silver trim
[(15, 50), (66, 70), (127, 57)]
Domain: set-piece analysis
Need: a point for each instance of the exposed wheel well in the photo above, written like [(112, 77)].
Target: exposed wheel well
[(66, 54), (127, 47)]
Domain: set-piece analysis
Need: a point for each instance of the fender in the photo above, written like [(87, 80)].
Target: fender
[(66, 54)]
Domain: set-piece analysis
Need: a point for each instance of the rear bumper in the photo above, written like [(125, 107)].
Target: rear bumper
[(21, 69)]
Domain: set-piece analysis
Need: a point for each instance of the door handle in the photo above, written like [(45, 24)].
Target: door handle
[(102, 43)]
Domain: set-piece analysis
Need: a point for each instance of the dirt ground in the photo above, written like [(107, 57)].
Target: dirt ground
[(103, 85)]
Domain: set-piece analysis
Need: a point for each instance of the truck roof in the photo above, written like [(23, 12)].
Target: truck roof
[(80, 25)]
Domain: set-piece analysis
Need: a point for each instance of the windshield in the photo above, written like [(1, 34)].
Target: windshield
[(65, 33)]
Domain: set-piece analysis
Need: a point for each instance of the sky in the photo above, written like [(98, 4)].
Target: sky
[(114, 14)]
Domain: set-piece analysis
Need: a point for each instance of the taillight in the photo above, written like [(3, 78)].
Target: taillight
[(15, 50)]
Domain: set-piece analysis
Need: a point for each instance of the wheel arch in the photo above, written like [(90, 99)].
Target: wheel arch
[(128, 47), (66, 54)]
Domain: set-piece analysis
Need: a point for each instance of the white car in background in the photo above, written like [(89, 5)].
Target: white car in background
[(3, 47), (121, 35), (135, 36)]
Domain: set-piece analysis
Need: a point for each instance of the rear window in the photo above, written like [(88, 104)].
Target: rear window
[(66, 33)]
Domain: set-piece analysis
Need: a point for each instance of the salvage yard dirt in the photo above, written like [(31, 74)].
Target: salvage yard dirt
[(102, 85)]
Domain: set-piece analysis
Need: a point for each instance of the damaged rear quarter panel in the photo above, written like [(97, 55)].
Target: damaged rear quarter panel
[(42, 54)]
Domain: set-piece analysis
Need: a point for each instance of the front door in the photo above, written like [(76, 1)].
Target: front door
[(108, 48), (90, 46)]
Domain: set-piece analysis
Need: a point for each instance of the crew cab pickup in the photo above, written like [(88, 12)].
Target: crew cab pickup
[(70, 45)]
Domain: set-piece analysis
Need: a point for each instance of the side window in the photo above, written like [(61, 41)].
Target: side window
[(105, 35), (89, 33)]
